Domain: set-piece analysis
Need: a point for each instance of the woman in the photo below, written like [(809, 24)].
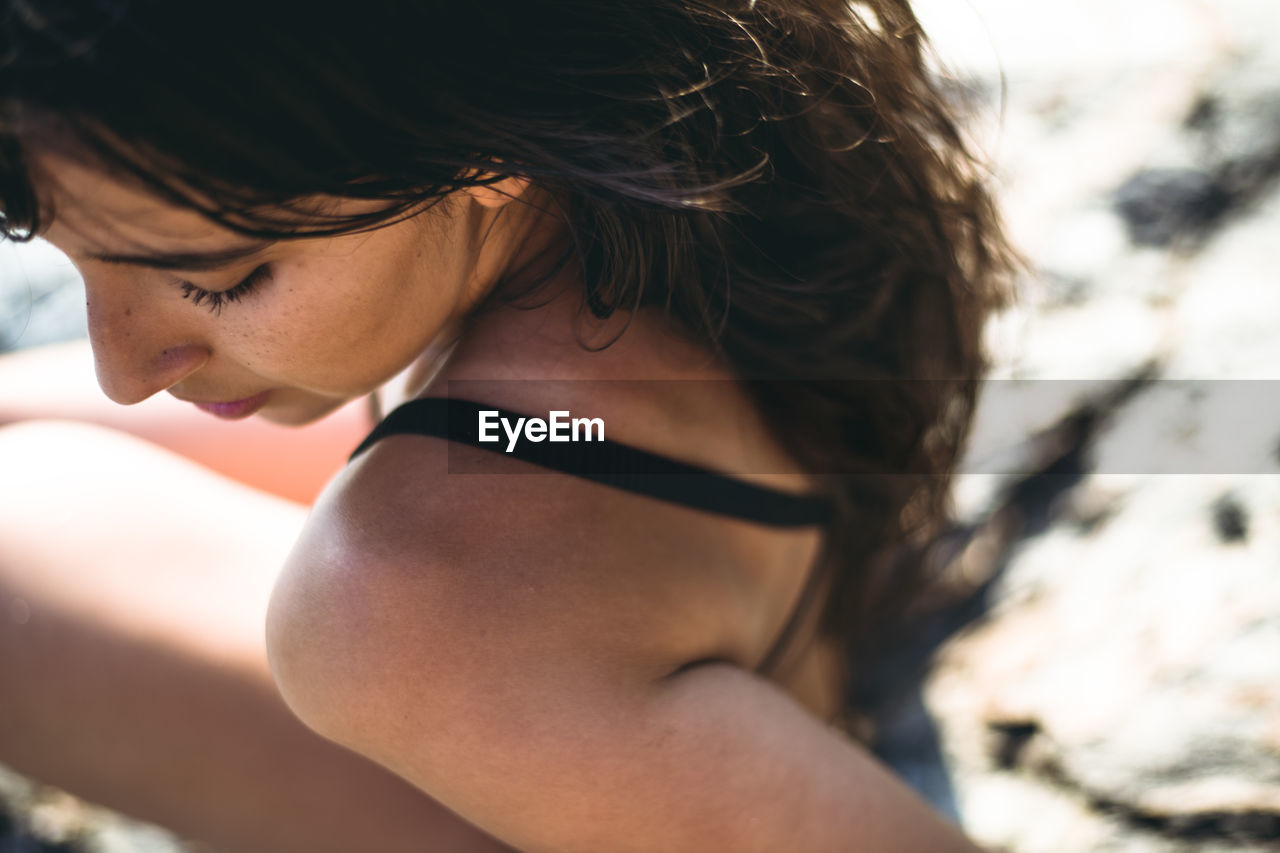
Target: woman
[(744, 236)]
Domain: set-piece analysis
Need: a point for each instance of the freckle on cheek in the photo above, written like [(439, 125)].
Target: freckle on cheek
[(128, 312)]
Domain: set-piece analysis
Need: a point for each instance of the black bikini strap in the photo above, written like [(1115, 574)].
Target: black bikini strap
[(610, 463)]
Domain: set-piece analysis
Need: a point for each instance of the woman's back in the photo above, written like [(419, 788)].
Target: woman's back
[(591, 647), (655, 389)]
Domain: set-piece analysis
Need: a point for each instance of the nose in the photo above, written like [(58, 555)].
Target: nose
[(137, 350)]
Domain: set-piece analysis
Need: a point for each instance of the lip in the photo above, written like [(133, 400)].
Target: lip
[(236, 409)]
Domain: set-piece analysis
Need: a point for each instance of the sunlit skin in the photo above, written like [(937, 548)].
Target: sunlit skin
[(502, 669), (333, 319)]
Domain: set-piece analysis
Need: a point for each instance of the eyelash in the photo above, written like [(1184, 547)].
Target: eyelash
[(218, 299)]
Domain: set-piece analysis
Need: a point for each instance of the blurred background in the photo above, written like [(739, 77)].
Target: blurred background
[(1099, 665)]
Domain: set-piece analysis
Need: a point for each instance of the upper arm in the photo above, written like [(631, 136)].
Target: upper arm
[(544, 698)]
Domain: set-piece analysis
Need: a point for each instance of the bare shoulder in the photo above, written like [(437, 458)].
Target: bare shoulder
[(537, 654), (484, 578), (506, 640), (515, 578)]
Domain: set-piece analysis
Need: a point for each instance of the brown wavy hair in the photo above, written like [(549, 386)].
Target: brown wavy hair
[(786, 178)]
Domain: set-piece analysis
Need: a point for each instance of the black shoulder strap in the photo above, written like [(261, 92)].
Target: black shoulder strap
[(610, 463)]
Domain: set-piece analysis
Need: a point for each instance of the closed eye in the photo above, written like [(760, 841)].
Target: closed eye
[(217, 299)]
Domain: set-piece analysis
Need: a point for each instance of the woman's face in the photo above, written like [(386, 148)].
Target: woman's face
[(319, 321)]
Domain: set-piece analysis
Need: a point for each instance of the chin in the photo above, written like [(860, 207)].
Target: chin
[(294, 414)]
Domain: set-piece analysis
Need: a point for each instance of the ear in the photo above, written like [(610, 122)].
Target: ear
[(498, 193)]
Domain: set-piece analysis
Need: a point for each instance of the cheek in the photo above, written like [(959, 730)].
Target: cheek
[(361, 308), (337, 327)]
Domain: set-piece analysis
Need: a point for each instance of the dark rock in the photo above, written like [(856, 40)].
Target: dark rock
[(1161, 206), (1253, 825), (1011, 739), (1230, 519)]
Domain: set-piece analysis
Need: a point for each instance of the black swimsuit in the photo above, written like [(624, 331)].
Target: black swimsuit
[(631, 469)]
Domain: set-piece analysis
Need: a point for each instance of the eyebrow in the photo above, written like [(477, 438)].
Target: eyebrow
[(186, 260)]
